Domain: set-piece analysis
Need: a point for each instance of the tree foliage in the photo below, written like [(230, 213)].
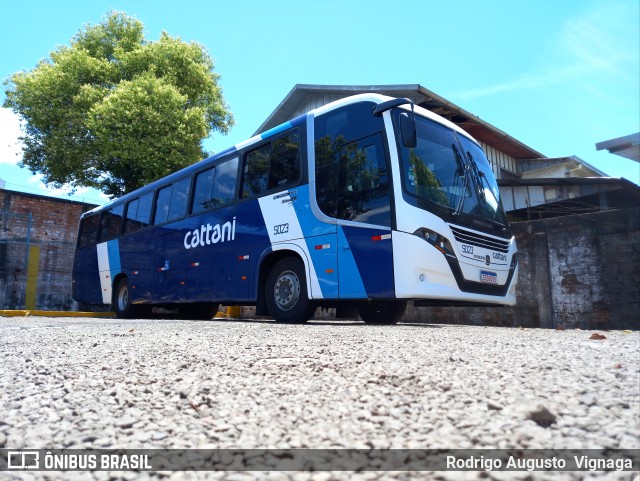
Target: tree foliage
[(115, 111)]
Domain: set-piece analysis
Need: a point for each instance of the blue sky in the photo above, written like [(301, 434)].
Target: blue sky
[(558, 76)]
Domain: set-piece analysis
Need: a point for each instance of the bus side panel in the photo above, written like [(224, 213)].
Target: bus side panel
[(198, 277), (323, 250), (231, 274), (86, 280), (215, 252), (321, 243), (288, 218), (232, 264), (170, 267), (137, 261), (372, 251)]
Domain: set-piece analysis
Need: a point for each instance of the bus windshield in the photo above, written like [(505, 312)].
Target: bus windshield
[(449, 174), (488, 193)]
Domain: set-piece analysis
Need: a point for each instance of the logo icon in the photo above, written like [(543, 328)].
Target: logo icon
[(488, 260), (23, 460)]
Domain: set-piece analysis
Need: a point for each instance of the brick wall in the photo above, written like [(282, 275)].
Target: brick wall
[(46, 222), (580, 271)]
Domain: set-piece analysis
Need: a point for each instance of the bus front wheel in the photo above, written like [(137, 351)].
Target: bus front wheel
[(286, 292), (122, 300), (383, 312)]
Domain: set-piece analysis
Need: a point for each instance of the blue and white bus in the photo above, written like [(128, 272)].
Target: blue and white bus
[(365, 203)]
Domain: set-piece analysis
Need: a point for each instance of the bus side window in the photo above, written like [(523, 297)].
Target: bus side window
[(285, 162), (203, 195), (256, 171), (172, 200), (332, 131), (138, 213), (130, 224), (162, 205), (326, 176), (143, 216), (224, 187), (179, 199), (215, 187), (271, 166), (89, 231), (110, 223), (363, 195)]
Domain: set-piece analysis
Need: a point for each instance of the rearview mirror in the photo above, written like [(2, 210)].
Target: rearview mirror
[(408, 130)]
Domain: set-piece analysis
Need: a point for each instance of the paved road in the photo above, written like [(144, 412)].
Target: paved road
[(105, 383)]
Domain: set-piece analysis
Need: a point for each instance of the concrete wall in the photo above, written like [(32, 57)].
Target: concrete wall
[(580, 271), (37, 237)]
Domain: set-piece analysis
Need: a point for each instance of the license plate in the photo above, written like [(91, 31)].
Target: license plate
[(488, 277)]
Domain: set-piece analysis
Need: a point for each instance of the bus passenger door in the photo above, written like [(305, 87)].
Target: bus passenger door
[(365, 253)]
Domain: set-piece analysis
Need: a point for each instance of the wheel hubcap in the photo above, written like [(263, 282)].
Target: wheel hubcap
[(123, 299), (287, 290)]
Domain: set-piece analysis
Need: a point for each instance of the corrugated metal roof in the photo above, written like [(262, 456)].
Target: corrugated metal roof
[(627, 146), (536, 164)]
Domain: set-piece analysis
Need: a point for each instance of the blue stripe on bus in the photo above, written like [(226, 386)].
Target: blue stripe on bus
[(275, 130), (318, 233), (351, 285), (310, 225), (375, 264), (325, 263), (113, 252)]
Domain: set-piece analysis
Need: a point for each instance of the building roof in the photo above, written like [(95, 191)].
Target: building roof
[(526, 199), (478, 128), (614, 182), (579, 167), (627, 146)]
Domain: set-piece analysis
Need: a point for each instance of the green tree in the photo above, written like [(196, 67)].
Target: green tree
[(115, 111)]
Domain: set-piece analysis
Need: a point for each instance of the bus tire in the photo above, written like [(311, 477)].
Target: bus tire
[(383, 312), (286, 292), (122, 305)]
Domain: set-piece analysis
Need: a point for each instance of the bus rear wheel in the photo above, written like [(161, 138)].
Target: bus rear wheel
[(286, 292), (383, 312), (122, 305)]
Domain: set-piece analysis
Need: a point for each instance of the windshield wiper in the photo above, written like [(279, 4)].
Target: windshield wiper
[(463, 169), (481, 180), (477, 177)]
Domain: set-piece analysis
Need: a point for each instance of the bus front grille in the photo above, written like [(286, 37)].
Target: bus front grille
[(469, 237)]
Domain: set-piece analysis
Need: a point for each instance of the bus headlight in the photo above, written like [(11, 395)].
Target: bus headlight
[(436, 240)]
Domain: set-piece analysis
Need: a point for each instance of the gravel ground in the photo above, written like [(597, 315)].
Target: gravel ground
[(106, 383)]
